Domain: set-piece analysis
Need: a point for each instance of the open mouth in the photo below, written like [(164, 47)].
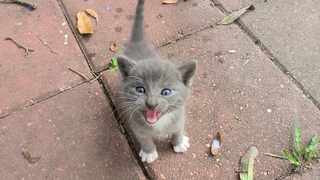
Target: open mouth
[(152, 116)]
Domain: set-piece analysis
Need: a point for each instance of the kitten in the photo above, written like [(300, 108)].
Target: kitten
[(153, 91)]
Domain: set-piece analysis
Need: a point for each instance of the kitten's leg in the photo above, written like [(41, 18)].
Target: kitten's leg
[(180, 142), (148, 150)]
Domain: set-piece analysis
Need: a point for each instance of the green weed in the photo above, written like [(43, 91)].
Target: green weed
[(301, 154)]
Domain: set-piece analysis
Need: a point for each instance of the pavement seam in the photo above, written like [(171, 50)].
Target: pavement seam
[(123, 129), (268, 53), (76, 36), (36, 101)]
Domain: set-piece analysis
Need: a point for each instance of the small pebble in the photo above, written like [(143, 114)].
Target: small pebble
[(108, 7), (269, 110)]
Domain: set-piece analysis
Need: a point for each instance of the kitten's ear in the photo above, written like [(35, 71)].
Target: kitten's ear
[(125, 64), (187, 71)]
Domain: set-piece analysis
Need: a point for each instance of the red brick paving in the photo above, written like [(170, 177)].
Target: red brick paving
[(244, 95)]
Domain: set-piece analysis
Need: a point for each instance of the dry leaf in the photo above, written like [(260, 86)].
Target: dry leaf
[(84, 24), (216, 144), (113, 46), (28, 157), (235, 15), (92, 13), (169, 1)]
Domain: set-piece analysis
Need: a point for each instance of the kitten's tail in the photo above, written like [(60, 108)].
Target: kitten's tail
[(137, 33)]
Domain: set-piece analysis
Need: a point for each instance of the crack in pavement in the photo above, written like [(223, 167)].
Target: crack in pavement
[(32, 102), (123, 129)]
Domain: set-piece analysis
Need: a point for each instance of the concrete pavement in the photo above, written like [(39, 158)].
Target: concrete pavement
[(253, 97)]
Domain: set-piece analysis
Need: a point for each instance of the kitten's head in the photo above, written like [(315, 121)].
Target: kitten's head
[(153, 87)]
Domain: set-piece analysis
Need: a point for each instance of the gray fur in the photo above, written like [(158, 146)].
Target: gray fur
[(140, 66)]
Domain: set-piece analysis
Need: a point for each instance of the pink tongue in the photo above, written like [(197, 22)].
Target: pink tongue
[(152, 116)]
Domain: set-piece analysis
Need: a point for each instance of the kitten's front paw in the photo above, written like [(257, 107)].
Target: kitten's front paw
[(148, 157), (183, 146)]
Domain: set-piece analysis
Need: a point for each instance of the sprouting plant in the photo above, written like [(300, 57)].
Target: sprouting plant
[(301, 154)]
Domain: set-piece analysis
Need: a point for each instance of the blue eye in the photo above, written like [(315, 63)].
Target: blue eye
[(166, 92), (140, 90)]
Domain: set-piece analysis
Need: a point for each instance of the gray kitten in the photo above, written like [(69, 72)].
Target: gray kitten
[(153, 91)]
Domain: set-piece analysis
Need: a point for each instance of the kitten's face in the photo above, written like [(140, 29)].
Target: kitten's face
[(152, 88)]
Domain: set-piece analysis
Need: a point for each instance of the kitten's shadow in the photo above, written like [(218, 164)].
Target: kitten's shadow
[(163, 145)]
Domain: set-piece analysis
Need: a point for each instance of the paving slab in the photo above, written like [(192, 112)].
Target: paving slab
[(242, 95), (164, 23), (289, 30), (314, 173), (25, 80), (76, 135), (232, 5), (246, 98)]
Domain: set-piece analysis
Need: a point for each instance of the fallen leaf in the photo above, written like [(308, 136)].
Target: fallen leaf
[(28, 157), (84, 24), (92, 13), (113, 46), (216, 144), (113, 64), (235, 15), (246, 164), (25, 153), (169, 1)]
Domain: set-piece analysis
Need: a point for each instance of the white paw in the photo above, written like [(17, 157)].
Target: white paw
[(148, 157), (183, 146)]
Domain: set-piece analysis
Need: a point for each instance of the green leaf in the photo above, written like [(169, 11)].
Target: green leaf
[(296, 154), (311, 154), (298, 137), (290, 158), (314, 154), (113, 64), (313, 145), (243, 176), (246, 163)]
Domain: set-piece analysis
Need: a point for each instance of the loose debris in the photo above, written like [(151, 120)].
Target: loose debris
[(85, 77), (232, 51), (96, 77), (77, 72), (28, 157), (216, 144), (92, 13), (84, 23), (113, 64), (169, 1), (235, 15), (246, 164), (45, 43), (20, 46), (34, 6), (113, 46)]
